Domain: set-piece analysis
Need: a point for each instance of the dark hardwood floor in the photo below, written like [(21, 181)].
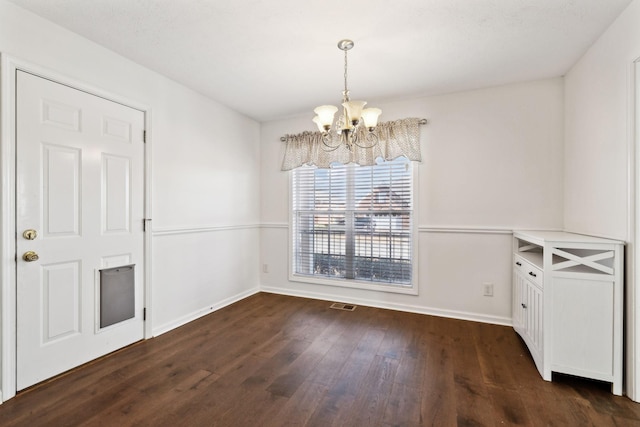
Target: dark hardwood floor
[(272, 360)]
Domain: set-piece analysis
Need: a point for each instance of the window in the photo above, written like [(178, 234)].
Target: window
[(353, 224)]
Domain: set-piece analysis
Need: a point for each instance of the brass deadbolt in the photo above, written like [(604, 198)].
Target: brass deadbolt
[(30, 234)]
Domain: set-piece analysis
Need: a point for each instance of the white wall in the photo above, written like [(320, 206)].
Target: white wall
[(205, 164), (599, 151), (493, 162), (598, 125)]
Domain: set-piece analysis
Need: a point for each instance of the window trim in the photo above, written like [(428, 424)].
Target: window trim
[(411, 289)]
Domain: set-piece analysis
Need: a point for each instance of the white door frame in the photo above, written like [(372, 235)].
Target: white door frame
[(8, 68), (632, 334)]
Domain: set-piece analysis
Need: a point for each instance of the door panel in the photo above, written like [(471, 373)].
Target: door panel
[(79, 184), (61, 190), (61, 298), (116, 212)]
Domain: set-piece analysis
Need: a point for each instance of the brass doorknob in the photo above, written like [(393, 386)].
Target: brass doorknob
[(30, 256)]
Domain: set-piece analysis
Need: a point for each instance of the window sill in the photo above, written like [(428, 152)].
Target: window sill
[(356, 284)]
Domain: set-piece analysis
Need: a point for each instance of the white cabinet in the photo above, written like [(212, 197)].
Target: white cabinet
[(527, 305), (567, 303)]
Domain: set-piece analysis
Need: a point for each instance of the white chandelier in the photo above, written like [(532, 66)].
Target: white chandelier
[(355, 126)]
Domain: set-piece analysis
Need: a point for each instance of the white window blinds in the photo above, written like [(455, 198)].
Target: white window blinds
[(354, 222)]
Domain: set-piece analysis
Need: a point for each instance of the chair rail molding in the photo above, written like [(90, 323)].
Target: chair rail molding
[(170, 231)]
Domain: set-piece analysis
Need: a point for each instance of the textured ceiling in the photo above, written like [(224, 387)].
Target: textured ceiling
[(277, 58)]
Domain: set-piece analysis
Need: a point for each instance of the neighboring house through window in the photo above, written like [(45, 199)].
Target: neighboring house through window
[(353, 225)]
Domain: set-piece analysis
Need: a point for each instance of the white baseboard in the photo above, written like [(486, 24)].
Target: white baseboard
[(203, 312), (461, 315), (453, 314)]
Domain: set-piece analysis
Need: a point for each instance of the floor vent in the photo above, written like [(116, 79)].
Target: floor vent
[(342, 306)]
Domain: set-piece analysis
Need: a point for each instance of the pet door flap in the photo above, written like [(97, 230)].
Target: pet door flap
[(117, 294)]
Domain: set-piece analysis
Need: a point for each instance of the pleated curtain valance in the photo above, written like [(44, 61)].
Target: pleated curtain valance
[(396, 138)]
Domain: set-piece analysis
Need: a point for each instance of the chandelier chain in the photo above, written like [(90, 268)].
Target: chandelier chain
[(346, 90)]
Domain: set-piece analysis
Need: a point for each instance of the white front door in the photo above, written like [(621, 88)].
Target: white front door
[(80, 188)]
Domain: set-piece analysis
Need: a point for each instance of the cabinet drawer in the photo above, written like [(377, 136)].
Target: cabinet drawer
[(519, 263), (531, 272)]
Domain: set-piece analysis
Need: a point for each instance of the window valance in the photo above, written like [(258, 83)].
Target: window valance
[(395, 138)]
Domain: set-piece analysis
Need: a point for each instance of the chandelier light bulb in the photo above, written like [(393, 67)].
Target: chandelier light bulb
[(354, 110), (316, 120), (325, 115), (370, 117)]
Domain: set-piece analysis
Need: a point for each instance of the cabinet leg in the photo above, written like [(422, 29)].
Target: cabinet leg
[(616, 388)]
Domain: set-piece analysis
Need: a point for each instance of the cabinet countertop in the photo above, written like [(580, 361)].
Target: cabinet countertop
[(541, 237)]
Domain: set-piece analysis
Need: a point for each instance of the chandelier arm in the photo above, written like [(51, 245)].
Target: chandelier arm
[(326, 139), (370, 136), (329, 148)]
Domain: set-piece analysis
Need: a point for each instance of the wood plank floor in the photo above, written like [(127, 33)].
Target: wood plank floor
[(273, 360)]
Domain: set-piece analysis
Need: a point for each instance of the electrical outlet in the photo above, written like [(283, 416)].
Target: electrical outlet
[(265, 268), (487, 289)]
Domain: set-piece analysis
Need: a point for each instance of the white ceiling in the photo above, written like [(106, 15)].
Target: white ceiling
[(272, 59)]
